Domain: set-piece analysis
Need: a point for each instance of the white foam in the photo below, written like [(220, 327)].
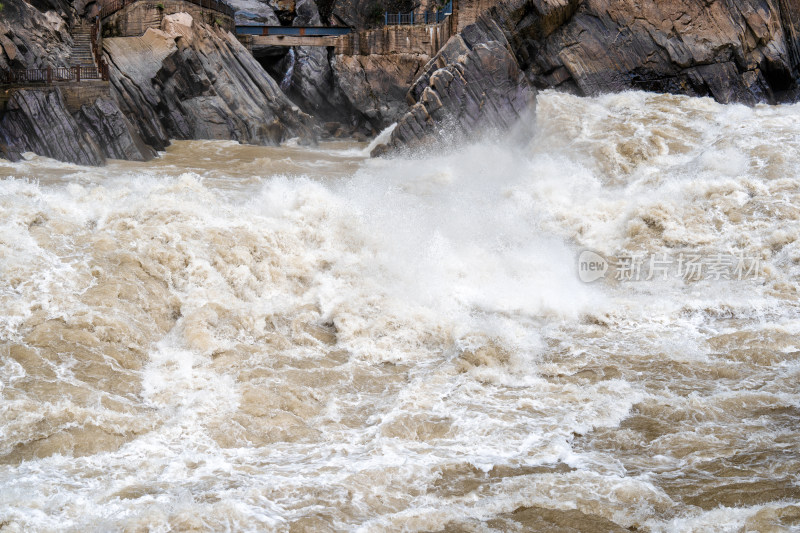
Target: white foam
[(360, 350)]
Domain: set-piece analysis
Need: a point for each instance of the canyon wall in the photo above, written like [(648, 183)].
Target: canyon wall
[(191, 79), (736, 52), (186, 80), (195, 81)]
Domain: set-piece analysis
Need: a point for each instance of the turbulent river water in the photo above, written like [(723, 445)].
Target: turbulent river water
[(237, 338)]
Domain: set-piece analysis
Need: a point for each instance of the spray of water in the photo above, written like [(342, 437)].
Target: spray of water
[(341, 343), (286, 82)]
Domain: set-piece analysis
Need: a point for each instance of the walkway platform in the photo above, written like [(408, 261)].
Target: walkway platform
[(293, 31), (287, 40), (252, 35)]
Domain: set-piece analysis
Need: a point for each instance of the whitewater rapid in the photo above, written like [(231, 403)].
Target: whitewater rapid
[(239, 338)]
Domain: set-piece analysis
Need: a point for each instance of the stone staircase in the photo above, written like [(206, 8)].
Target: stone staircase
[(82, 55)]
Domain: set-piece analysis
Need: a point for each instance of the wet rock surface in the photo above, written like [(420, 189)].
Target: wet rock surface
[(376, 85), (35, 38), (480, 87), (745, 52), (112, 132), (194, 81), (38, 121), (733, 51)]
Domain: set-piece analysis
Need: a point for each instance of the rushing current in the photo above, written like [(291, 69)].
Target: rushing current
[(303, 339)]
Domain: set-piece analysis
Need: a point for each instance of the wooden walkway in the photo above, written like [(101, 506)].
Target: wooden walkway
[(252, 35)]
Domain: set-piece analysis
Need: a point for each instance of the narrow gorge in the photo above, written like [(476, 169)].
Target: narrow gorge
[(371, 266), (179, 72)]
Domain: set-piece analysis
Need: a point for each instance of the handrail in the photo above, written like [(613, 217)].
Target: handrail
[(51, 75), (97, 50), (112, 6), (423, 17)]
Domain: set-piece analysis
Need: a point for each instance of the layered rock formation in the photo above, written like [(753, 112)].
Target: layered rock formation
[(37, 120), (109, 129), (30, 38), (352, 94), (481, 89), (363, 94), (194, 81), (472, 85), (186, 81), (190, 80), (375, 86), (745, 52)]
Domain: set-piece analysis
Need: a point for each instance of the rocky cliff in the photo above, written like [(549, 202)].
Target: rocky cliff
[(481, 88), (30, 38), (194, 81), (191, 80), (745, 51), (36, 35), (351, 94), (735, 51), (187, 80), (37, 120)]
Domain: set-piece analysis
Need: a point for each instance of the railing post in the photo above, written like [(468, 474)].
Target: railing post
[(49, 75), (385, 18)]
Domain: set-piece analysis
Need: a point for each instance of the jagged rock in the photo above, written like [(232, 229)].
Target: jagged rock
[(483, 89), (111, 131), (375, 86), (745, 51), (254, 12), (37, 120), (34, 38), (306, 13), (194, 81), (365, 92), (449, 54), (133, 65), (311, 84)]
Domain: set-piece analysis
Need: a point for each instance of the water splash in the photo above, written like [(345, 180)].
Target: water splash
[(286, 82), (382, 138), (266, 341)]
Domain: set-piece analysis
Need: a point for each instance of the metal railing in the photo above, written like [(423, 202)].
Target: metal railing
[(422, 17), (112, 6), (51, 75), (97, 50)]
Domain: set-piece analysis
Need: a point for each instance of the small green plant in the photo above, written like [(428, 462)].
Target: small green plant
[(218, 21), (160, 6), (1, 6), (375, 14)]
